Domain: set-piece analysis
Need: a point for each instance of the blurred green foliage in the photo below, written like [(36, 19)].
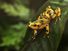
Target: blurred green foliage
[(15, 10), (13, 35)]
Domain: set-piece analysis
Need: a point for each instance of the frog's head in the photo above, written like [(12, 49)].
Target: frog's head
[(34, 25)]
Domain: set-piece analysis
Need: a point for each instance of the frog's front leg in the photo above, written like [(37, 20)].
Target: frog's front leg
[(47, 30), (34, 34)]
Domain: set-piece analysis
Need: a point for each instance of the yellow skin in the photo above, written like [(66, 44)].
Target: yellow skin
[(44, 20), (39, 24)]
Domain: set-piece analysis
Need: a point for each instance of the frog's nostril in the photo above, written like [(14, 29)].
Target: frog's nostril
[(35, 25)]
